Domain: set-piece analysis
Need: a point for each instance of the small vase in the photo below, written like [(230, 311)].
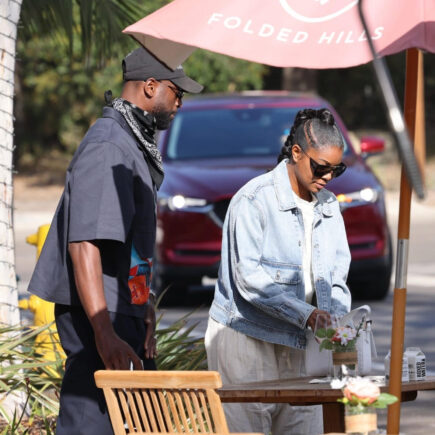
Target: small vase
[(360, 422), (345, 364)]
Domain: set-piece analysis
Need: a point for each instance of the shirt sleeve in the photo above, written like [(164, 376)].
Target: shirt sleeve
[(101, 194), (254, 284)]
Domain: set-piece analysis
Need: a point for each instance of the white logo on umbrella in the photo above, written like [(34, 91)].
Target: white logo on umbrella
[(290, 10)]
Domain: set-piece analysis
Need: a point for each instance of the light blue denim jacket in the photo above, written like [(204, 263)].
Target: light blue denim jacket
[(260, 289)]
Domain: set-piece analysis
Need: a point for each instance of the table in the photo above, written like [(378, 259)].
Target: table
[(301, 393)]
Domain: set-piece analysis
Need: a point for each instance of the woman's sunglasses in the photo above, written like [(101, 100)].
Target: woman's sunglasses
[(320, 171)]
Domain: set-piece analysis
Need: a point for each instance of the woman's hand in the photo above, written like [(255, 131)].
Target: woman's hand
[(311, 322)]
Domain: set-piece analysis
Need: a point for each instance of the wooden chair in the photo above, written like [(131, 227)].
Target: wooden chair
[(155, 402)]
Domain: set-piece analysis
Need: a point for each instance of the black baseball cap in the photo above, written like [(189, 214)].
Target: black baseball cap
[(140, 64)]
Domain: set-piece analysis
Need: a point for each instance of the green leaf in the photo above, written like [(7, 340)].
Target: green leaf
[(321, 333), (330, 333), (384, 400), (325, 344)]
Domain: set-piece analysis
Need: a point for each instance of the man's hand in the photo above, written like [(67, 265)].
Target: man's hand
[(116, 353), (311, 322), (150, 344)]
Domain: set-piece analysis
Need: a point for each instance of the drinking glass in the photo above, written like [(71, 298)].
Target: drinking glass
[(325, 321)]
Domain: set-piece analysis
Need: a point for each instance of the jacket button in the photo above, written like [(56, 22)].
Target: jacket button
[(300, 243)]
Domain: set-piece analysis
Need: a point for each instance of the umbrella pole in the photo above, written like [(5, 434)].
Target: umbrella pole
[(414, 117)]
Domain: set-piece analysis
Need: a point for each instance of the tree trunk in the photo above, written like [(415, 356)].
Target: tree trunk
[(9, 15), (299, 79)]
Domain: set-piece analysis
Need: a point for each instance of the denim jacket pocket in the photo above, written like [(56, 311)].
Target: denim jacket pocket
[(282, 273)]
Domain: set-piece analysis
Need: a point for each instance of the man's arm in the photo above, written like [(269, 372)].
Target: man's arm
[(115, 353)]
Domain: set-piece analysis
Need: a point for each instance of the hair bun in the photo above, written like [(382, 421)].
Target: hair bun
[(306, 114), (325, 116)]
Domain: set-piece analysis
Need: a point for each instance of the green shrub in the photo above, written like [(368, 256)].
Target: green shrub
[(177, 349)]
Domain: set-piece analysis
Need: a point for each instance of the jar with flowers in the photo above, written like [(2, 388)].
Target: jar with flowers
[(342, 341), (361, 399)]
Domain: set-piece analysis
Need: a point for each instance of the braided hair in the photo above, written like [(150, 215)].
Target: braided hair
[(312, 128)]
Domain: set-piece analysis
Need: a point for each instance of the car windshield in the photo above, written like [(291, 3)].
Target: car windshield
[(229, 132)]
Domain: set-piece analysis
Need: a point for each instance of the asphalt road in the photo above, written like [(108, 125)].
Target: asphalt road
[(418, 417)]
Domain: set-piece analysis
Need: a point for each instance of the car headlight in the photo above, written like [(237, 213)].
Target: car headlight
[(354, 199), (180, 202)]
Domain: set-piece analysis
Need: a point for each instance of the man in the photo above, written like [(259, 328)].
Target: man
[(96, 262)]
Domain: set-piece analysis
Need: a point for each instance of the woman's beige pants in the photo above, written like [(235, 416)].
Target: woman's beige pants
[(240, 359)]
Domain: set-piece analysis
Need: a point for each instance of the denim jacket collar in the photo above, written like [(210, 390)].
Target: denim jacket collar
[(285, 196)]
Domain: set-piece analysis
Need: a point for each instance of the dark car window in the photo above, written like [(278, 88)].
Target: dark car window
[(229, 132)]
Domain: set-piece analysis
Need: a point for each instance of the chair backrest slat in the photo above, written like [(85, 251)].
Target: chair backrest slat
[(219, 420), (125, 409), (174, 412), (114, 411), (145, 418), (198, 411), (190, 413), (134, 411), (205, 410), (181, 410), (163, 402), (159, 404)]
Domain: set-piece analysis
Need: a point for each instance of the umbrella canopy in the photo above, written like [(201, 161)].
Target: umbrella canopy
[(287, 33)]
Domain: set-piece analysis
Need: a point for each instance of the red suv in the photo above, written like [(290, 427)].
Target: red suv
[(214, 146)]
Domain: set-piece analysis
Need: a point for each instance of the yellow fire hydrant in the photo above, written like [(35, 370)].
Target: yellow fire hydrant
[(47, 342)]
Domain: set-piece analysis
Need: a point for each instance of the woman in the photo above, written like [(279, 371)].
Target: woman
[(285, 260)]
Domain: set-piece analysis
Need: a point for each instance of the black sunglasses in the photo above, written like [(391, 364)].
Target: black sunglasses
[(177, 91), (320, 171)]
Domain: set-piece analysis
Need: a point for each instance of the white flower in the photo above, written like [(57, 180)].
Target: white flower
[(344, 334)]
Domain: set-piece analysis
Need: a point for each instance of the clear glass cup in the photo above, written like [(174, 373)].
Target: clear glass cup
[(325, 321), (345, 364)]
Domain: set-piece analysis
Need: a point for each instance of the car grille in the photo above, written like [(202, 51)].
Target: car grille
[(220, 210)]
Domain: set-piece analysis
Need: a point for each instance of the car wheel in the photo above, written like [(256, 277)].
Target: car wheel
[(377, 284)]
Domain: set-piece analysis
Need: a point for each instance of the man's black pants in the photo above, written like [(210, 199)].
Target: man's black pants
[(82, 405)]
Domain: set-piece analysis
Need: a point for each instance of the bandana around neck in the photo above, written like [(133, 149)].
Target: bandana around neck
[(143, 126)]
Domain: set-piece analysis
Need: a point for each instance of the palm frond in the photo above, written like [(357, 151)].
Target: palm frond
[(48, 17), (86, 15), (177, 349), (98, 23)]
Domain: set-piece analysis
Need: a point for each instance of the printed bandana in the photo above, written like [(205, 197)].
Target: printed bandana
[(143, 126)]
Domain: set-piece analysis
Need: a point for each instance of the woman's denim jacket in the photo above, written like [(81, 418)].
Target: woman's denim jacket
[(260, 289)]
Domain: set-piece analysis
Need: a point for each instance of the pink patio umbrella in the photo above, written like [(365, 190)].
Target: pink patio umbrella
[(287, 33), (317, 34)]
